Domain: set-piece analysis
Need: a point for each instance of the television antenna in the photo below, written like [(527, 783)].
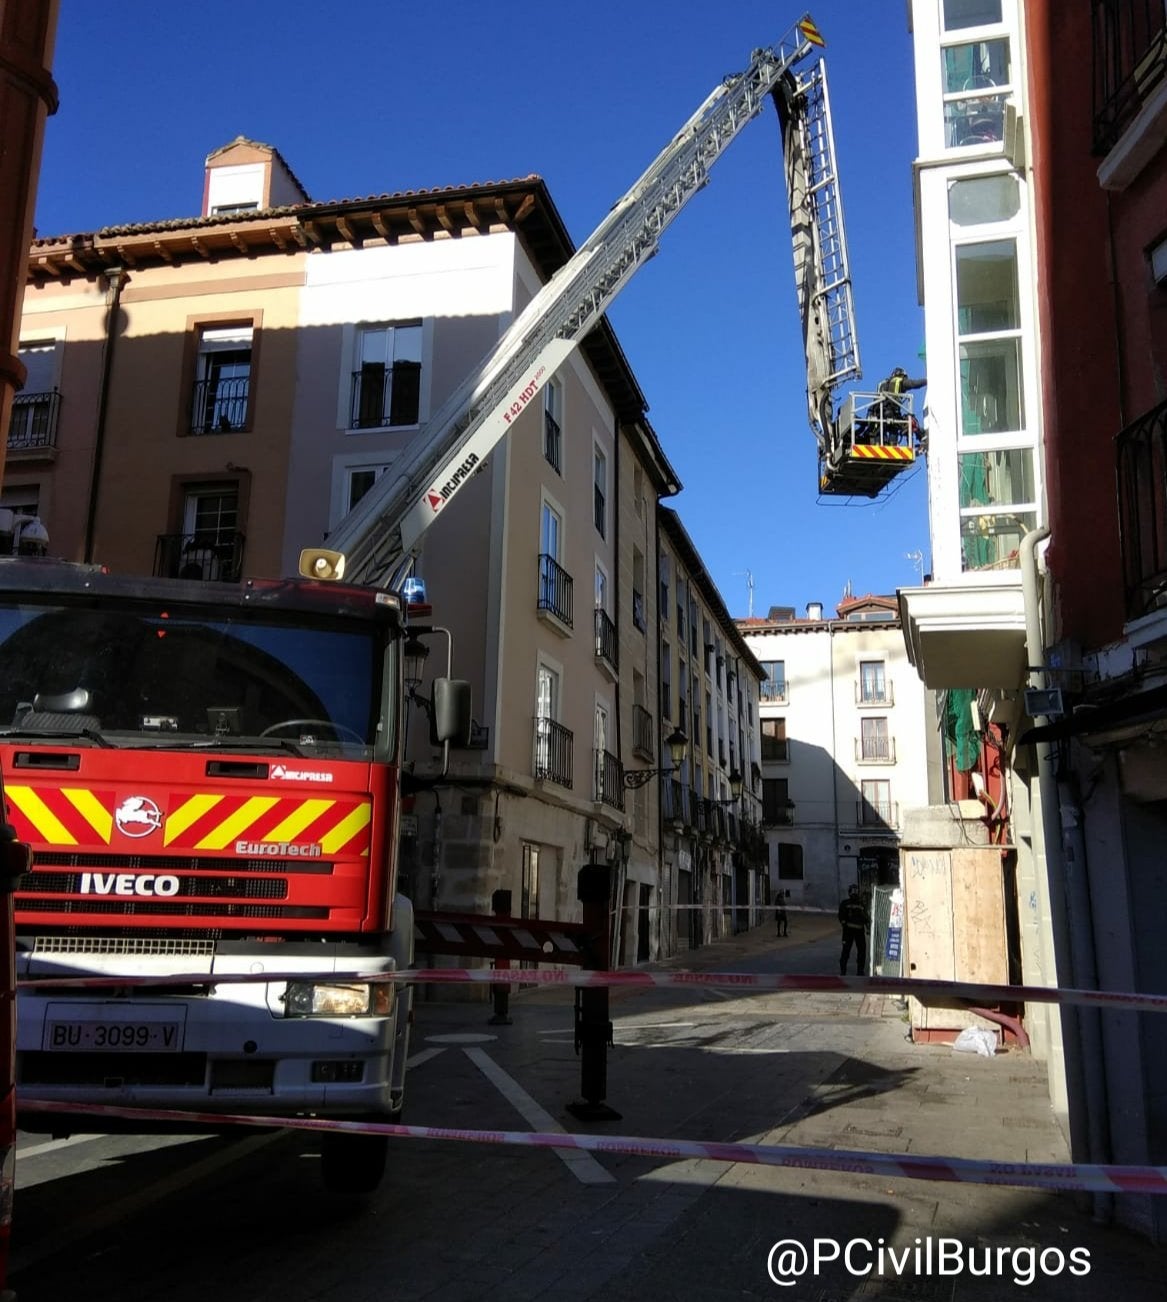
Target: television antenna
[(750, 585), (917, 559)]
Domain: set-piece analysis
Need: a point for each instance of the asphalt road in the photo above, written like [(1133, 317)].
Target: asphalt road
[(245, 1219)]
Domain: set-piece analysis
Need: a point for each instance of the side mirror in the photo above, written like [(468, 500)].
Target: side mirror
[(450, 718)]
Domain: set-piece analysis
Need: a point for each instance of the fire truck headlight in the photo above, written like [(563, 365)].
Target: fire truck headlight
[(330, 999)]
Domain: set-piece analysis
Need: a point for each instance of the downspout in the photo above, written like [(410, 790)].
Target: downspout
[(1068, 904), (619, 869), (115, 278)]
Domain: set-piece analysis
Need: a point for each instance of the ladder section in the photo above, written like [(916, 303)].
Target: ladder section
[(378, 538), (834, 273)]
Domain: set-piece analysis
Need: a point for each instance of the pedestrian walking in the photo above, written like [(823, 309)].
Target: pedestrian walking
[(855, 920), (780, 917)]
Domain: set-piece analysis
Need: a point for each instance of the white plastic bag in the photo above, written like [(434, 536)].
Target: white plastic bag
[(976, 1039)]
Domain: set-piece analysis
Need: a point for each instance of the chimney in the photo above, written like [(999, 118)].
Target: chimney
[(814, 610)]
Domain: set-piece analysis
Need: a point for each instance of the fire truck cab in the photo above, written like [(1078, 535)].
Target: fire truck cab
[(210, 776)]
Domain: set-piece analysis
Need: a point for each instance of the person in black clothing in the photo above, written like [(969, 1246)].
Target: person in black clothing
[(780, 916), (897, 425), (855, 920)]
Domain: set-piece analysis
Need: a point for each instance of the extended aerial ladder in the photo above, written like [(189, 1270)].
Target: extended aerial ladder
[(376, 543), (871, 438)]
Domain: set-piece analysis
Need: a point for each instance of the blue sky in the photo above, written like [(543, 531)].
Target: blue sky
[(383, 97)]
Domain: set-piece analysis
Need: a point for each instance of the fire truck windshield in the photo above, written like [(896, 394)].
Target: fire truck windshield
[(138, 674)]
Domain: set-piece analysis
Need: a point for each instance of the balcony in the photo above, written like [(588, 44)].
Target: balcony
[(219, 406), (642, 734), (874, 694), (773, 692), (211, 557), (555, 593), (607, 647), (778, 813), (384, 397), (554, 744), (1130, 60), (879, 814), (875, 750), (1142, 512), (552, 443), (676, 804), (609, 784), (32, 432)]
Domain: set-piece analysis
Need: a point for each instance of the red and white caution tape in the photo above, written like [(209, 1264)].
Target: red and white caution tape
[(1080, 1177), (971, 992)]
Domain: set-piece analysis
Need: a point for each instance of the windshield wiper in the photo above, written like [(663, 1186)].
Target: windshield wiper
[(226, 743), (89, 734)]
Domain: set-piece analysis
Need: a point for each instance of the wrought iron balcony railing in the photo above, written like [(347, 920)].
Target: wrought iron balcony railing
[(642, 730), (552, 442), (554, 745), (1142, 511), (1130, 60), (609, 787), (881, 813), (219, 406), (875, 750), (607, 647), (34, 420), (384, 396), (555, 589), (874, 693), (213, 557)]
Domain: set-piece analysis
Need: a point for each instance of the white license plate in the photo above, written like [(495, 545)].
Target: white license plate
[(114, 1030)]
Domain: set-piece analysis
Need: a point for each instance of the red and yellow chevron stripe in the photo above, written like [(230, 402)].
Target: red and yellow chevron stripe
[(61, 816), (811, 32), (205, 821), (879, 452)]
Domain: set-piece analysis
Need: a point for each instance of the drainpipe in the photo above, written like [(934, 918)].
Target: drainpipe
[(1067, 900), (115, 279)]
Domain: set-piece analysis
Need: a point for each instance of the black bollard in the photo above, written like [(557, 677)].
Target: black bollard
[(593, 1029), (500, 993)]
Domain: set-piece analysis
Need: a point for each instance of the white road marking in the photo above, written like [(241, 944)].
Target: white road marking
[(582, 1165), (424, 1055), (54, 1145)]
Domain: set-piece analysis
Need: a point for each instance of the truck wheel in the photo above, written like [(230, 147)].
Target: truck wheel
[(353, 1164)]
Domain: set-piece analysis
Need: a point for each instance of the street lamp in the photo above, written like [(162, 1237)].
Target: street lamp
[(414, 654), (736, 782), (678, 745)]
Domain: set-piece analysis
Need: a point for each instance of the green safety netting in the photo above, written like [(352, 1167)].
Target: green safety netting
[(963, 742)]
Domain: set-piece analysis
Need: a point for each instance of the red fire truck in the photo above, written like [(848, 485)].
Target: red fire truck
[(210, 774)]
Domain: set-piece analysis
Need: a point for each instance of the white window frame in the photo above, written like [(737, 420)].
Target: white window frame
[(342, 472)]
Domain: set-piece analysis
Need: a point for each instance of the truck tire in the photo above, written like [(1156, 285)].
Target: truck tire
[(353, 1164)]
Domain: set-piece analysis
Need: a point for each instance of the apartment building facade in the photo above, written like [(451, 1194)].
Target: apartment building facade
[(210, 394), (714, 855), (1041, 134), (843, 741)]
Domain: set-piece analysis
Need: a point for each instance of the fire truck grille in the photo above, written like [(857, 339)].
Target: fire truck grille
[(168, 945), (167, 908)]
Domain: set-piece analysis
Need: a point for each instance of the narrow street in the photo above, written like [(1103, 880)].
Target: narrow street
[(245, 1218)]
